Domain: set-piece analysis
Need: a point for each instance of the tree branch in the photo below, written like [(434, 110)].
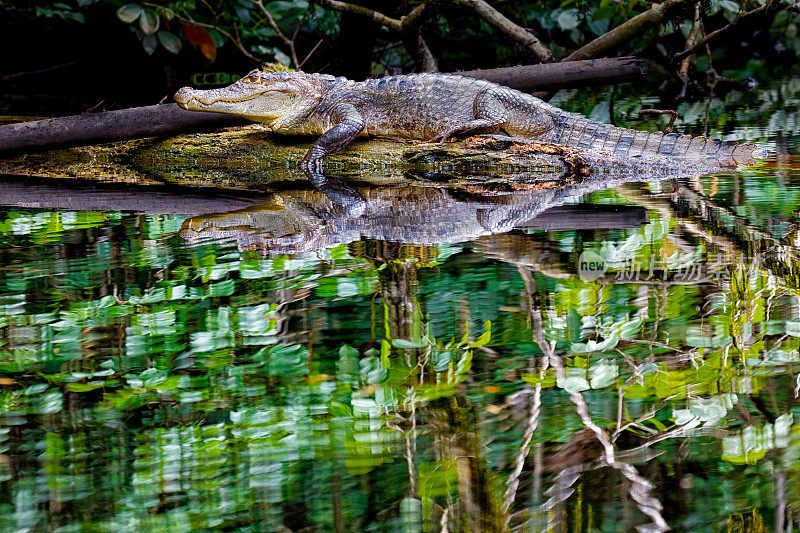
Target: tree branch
[(518, 33), (625, 31), (769, 6), (683, 70), (426, 58), (375, 16), (409, 25), (271, 21)]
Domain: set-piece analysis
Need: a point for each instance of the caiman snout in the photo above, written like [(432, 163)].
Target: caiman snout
[(183, 96)]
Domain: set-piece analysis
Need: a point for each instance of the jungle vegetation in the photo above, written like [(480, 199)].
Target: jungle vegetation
[(691, 45)]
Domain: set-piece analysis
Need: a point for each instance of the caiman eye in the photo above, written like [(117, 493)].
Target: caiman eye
[(253, 77)]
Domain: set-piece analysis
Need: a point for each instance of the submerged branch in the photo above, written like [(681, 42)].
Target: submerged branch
[(640, 487)]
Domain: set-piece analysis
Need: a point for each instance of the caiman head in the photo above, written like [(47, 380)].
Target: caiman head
[(282, 100)]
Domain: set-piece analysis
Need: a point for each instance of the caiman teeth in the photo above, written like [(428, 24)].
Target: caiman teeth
[(224, 100)]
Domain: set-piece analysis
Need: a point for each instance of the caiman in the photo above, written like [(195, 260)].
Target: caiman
[(434, 107)]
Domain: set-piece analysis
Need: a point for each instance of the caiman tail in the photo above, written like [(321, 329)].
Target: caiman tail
[(579, 132)]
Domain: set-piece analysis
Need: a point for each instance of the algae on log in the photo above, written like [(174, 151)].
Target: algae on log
[(251, 158)]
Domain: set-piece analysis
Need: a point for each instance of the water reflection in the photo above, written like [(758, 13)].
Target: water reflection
[(334, 213), (419, 358)]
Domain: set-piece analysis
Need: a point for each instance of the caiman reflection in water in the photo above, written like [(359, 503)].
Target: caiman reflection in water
[(336, 213)]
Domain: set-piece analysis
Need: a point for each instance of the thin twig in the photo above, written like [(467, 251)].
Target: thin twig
[(640, 486), (410, 25), (673, 115), (308, 55), (45, 70), (533, 421)]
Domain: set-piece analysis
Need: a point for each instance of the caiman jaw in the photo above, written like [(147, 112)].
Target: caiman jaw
[(194, 100)]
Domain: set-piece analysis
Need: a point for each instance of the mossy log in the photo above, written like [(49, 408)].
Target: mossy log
[(252, 158)]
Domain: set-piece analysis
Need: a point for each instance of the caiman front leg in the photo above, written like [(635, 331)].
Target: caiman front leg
[(349, 125), (490, 114)]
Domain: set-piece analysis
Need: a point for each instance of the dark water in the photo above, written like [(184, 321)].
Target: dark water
[(601, 357)]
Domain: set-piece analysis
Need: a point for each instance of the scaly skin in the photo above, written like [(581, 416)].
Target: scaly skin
[(433, 107)]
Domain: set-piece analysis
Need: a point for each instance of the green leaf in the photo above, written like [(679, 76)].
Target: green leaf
[(485, 337), (129, 12), (84, 387), (574, 380), (548, 380), (282, 58), (602, 374), (442, 360), (405, 344), (148, 23), (568, 20), (149, 43), (169, 41)]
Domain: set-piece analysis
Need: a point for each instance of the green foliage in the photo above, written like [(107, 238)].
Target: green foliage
[(459, 37)]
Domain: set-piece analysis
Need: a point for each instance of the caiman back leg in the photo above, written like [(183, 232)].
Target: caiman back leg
[(490, 115), (349, 125)]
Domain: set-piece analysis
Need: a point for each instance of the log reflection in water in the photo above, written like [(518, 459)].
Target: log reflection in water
[(90, 195)]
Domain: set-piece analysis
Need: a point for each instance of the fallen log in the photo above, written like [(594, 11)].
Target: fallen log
[(251, 158), (554, 76), (109, 126), (167, 119)]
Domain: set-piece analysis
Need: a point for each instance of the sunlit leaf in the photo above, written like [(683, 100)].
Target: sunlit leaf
[(568, 20), (148, 21), (602, 374), (405, 344), (200, 38), (129, 12), (485, 337), (169, 41)]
